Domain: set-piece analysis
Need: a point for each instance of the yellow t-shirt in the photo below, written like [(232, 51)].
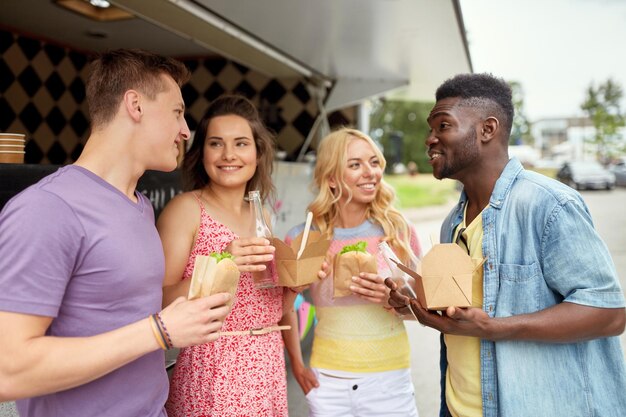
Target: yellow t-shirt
[(463, 389)]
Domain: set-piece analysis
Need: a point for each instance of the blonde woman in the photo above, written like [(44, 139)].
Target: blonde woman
[(360, 355)]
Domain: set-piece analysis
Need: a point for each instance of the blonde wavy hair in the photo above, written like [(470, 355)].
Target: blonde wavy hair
[(332, 161)]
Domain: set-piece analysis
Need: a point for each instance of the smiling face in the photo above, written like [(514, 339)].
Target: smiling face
[(362, 173), (453, 140), (166, 124), (230, 156)]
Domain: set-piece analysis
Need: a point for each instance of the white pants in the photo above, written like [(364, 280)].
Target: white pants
[(384, 394)]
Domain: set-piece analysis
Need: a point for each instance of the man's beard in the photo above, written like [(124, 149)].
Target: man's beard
[(464, 157)]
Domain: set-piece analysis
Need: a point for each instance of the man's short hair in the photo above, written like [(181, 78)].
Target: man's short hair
[(482, 91), (117, 71)]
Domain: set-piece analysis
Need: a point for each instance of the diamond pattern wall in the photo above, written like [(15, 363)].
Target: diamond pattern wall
[(42, 94)]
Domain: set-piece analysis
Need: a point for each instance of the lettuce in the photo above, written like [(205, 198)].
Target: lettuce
[(219, 256), (357, 247)]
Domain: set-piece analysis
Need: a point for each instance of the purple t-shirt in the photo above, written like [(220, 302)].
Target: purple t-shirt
[(75, 248)]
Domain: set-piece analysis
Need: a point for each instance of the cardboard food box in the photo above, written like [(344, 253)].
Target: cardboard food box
[(444, 277), (350, 264), (294, 271)]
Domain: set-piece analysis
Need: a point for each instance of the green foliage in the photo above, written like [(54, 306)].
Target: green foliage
[(421, 190), (409, 119), (602, 105), (521, 129)]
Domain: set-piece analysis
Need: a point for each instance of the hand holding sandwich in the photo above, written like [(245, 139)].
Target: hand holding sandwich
[(353, 261), (370, 287), (194, 322), (198, 318)]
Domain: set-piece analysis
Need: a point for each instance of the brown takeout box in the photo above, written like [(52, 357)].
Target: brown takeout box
[(444, 277), (296, 272), (348, 265)]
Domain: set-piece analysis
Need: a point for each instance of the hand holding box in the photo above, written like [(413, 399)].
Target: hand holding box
[(444, 277)]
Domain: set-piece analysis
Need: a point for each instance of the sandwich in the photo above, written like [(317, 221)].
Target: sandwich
[(351, 261), (214, 274)]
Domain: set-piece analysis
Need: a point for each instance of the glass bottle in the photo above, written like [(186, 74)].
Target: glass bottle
[(401, 278), (268, 277), (397, 275)]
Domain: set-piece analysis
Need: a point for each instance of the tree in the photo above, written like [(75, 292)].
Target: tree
[(407, 119), (602, 106), (392, 118), (521, 129)]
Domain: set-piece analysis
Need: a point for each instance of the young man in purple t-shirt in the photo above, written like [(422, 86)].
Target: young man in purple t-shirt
[(81, 263)]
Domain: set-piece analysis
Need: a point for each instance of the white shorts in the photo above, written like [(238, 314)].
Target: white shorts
[(383, 394)]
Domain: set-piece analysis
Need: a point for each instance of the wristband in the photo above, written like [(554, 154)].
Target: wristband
[(156, 333), (168, 339)]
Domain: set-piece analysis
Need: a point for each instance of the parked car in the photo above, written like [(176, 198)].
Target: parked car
[(583, 175), (619, 170)]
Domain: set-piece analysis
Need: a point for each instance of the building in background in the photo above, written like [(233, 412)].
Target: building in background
[(569, 139)]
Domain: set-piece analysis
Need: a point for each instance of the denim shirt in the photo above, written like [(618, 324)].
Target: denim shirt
[(541, 249)]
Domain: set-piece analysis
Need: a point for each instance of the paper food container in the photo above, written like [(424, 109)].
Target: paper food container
[(294, 271), (350, 264), (444, 277), (211, 277), (12, 148)]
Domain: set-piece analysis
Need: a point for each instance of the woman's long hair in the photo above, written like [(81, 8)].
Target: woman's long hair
[(194, 173), (332, 161)]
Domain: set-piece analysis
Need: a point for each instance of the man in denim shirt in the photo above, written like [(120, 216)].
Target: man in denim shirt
[(541, 336)]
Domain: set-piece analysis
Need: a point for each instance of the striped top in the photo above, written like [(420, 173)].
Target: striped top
[(354, 335)]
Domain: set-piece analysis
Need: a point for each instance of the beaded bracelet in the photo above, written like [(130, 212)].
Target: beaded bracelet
[(163, 338), (157, 333), (168, 338)]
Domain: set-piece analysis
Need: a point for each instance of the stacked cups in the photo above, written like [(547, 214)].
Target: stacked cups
[(12, 148)]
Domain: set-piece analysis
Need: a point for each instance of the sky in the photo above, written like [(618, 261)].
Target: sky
[(554, 48)]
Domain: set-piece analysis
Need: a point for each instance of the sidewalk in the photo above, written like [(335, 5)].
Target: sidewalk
[(427, 221), (428, 214)]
